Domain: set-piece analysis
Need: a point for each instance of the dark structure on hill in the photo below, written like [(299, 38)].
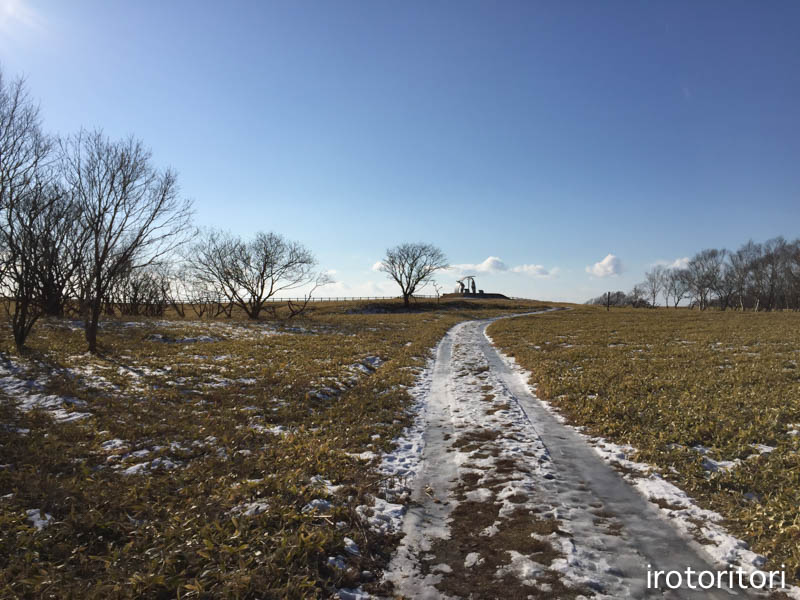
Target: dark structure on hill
[(480, 295), (466, 289)]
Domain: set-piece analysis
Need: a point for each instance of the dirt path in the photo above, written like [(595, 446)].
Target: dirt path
[(511, 503)]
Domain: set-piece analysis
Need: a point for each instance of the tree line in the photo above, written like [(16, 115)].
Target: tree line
[(91, 226), (757, 276)]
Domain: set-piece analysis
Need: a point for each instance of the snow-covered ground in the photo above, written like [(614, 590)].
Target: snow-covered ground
[(608, 532), (674, 504), (29, 393)]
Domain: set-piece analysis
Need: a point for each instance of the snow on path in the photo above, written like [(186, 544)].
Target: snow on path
[(563, 476)]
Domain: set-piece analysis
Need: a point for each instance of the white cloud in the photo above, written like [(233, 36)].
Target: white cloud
[(495, 264), (678, 263), (536, 271), (492, 264), (377, 266), (610, 266)]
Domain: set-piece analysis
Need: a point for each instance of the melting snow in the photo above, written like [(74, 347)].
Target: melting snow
[(319, 505), (351, 547), (37, 520), (30, 395), (157, 463), (680, 508), (251, 509), (353, 594), (319, 482), (473, 559), (115, 444), (367, 455), (763, 448), (522, 568)]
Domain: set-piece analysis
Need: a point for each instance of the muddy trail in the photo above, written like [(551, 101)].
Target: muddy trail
[(511, 503)]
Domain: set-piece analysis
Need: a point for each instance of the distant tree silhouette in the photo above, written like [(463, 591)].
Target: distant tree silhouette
[(412, 266)]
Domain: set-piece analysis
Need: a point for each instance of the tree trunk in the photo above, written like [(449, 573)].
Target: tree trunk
[(91, 327), (94, 309), (406, 300), (53, 302), (179, 308), (20, 322)]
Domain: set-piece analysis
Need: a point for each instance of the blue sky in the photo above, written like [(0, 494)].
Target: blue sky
[(547, 135)]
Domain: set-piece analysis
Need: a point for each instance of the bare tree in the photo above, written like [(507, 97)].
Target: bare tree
[(23, 147), (27, 202), (130, 210), (62, 241), (703, 272), (741, 263), (793, 274), (636, 298), (618, 298), (141, 292), (756, 276), (412, 266), (438, 289), (653, 283), (26, 218), (175, 282), (250, 273), (772, 265), (192, 285), (298, 308), (677, 285), (725, 286), (205, 298)]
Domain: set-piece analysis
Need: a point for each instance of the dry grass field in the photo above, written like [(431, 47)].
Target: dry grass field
[(195, 459), (712, 399)]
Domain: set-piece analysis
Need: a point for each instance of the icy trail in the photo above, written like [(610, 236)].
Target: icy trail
[(608, 532)]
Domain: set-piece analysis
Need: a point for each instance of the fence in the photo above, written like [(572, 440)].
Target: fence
[(354, 298), (347, 298)]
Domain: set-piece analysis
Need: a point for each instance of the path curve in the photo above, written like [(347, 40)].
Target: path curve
[(608, 532)]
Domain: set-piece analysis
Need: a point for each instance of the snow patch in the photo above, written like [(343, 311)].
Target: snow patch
[(319, 505), (400, 467), (251, 509), (521, 567), (473, 559), (115, 444), (673, 502), (353, 594), (39, 519)]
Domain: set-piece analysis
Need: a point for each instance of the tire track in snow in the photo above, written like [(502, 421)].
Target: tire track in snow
[(608, 533)]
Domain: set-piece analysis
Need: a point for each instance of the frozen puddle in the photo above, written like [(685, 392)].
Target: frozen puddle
[(506, 499)]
